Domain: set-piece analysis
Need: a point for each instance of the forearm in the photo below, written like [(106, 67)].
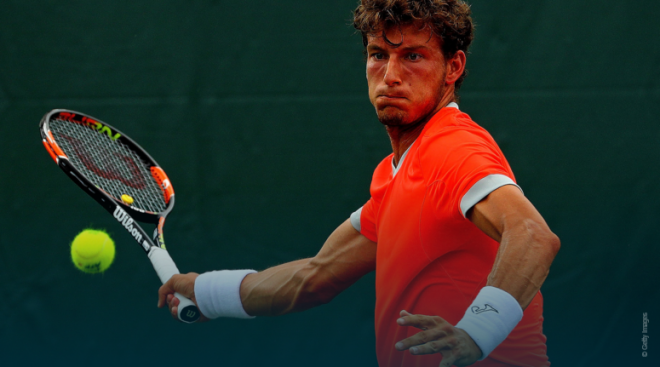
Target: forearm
[(526, 252), (527, 248), (296, 286), (279, 290)]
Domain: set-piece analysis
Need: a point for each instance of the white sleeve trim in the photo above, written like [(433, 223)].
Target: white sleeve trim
[(483, 188), (355, 219)]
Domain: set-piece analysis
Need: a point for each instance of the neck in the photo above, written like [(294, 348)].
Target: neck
[(403, 136)]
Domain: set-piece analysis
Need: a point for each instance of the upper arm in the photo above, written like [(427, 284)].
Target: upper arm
[(503, 209), (527, 246)]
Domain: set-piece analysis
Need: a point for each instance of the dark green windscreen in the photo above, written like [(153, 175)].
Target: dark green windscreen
[(258, 112)]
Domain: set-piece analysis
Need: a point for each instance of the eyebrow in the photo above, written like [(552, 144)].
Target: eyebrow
[(374, 48), (416, 47), (407, 48)]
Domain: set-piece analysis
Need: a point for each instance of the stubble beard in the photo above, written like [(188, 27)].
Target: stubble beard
[(400, 118), (389, 119)]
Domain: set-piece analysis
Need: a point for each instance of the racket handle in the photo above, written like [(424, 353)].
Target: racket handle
[(165, 268)]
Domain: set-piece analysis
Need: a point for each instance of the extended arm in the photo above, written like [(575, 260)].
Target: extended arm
[(298, 285), (527, 248)]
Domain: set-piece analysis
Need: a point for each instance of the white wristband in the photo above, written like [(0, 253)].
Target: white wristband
[(218, 293), (490, 318)]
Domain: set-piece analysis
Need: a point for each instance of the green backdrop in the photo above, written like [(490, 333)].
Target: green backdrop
[(259, 114)]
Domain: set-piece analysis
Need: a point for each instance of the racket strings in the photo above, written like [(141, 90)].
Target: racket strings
[(108, 164)]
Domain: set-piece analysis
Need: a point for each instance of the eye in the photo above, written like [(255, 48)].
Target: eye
[(378, 55), (414, 57)]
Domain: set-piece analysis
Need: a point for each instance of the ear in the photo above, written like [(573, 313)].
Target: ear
[(455, 67)]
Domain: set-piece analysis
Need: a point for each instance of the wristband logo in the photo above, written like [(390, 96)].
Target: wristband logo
[(487, 307)]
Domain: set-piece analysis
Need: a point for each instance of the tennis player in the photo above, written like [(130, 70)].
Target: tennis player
[(459, 252)]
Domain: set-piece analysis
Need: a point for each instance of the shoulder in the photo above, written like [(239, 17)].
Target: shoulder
[(456, 134), (384, 168), (381, 177), (454, 149)]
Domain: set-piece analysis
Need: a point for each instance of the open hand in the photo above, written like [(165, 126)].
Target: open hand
[(438, 336)]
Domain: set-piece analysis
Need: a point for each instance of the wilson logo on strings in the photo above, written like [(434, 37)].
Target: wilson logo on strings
[(130, 175)]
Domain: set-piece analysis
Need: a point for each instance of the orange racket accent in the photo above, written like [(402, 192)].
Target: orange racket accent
[(53, 145), (50, 151), (163, 182)]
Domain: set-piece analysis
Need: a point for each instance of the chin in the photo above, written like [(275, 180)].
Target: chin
[(393, 118)]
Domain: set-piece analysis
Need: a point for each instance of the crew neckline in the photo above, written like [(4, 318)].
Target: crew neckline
[(395, 167)]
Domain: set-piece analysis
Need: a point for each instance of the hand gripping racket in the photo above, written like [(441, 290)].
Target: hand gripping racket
[(120, 176)]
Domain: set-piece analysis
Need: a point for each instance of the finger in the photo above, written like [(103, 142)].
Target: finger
[(420, 321), (174, 307), (169, 301), (434, 346), (163, 291), (448, 359), (420, 338), (404, 313)]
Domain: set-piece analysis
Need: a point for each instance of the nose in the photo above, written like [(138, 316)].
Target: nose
[(392, 72)]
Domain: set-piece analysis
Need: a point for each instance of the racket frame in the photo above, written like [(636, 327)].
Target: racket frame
[(126, 215)]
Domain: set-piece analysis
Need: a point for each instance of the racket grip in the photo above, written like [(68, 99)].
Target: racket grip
[(165, 268)]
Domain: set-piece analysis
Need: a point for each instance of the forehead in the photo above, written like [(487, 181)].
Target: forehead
[(409, 35)]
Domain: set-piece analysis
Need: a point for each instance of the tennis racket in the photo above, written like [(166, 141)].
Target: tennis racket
[(120, 176)]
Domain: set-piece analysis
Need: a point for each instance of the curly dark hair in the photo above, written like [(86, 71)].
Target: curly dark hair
[(450, 20)]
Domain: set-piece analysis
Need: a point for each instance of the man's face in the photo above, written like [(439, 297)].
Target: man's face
[(406, 82)]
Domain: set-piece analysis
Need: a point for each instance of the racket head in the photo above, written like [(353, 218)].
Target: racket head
[(106, 162)]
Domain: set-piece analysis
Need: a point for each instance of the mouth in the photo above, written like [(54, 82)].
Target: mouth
[(391, 96)]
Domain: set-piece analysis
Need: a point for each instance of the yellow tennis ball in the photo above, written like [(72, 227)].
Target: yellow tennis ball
[(92, 251)]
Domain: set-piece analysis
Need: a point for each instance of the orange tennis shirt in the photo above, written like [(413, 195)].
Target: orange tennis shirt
[(431, 260)]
